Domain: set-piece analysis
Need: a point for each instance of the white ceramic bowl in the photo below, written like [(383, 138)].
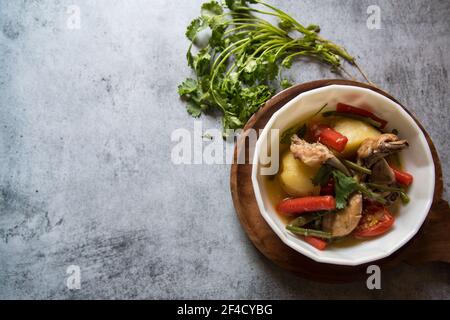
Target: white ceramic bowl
[(417, 160)]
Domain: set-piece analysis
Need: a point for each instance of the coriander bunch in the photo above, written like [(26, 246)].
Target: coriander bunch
[(239, 67)]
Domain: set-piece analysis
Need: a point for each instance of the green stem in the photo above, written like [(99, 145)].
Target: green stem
[(357, 167), (372, 195), (284, 15), (309, 232), (261, 25), (300, 53), (285, 46), (226, 33), (403, 195), (304, 219), (383, 187), (259, 11), (226, 54), (329, 45), (336, 49), (216, 66), (299, 27)]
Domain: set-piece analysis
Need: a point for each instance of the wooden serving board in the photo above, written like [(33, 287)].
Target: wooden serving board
[(431, 243)]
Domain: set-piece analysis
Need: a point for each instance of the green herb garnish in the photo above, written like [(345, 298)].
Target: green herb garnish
[(239, 67), (344, 186)]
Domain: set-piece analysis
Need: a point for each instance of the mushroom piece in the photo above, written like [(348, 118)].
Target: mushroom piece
[(382, 173), (315, 154), (373, 149), (343, 222)]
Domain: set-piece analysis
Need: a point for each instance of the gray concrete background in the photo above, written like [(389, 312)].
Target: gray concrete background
[(85, 171)]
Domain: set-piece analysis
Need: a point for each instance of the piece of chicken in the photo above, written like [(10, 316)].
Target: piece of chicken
[(311, 154), (315, 154), (343, 222), (373, 149)]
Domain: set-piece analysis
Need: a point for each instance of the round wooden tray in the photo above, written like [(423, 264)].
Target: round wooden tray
[(431, 243)]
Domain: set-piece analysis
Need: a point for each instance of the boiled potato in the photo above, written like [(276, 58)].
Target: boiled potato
[(295, 177), (356, 131)]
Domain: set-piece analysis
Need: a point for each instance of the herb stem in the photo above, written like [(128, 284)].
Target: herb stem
[(286, 16), (304, 219), (309, 232), (372, 195), (383, 187), (357, 167), (403, 195)]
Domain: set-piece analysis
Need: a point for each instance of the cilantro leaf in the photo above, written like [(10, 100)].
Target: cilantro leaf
[(193, 108), (232, 122), (201, 62), (251, 99), (212, 13), (190, 58), (211, 9), (187, 86), (251, 66), (197, 99), (195, 27), (287, 62), (344, 186), (216, 40), (285, 83)]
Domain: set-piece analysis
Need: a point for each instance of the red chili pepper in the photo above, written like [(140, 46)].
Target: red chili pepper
[(316, 242), (345, 108), (307, 204), (329, 137), (403, 178)]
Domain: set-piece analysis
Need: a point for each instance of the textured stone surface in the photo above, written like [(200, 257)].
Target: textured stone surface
[(85, 171)]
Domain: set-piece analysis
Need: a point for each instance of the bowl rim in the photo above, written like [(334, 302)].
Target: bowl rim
[(283, 235)]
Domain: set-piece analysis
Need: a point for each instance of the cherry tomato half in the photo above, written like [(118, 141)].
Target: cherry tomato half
[(376, 220)]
